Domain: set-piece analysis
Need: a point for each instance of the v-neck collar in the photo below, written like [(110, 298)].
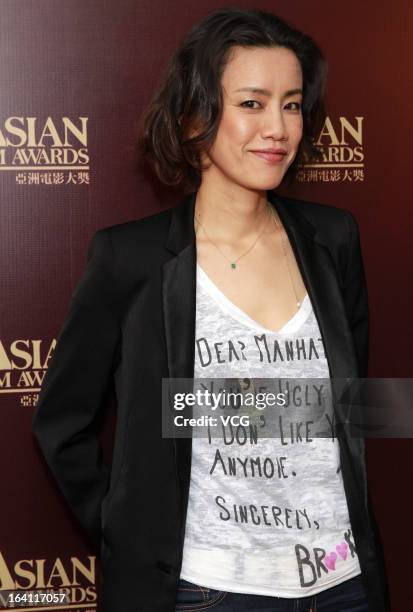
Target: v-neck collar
[(291, 326)]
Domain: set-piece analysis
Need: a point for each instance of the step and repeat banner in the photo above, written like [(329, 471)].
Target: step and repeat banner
[(75, 77)]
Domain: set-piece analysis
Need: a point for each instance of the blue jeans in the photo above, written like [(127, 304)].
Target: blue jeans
[(349, 596)]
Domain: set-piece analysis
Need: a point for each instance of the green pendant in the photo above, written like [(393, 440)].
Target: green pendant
[(233, 265)]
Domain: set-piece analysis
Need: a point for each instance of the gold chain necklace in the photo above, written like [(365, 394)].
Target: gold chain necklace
[(233, 263)]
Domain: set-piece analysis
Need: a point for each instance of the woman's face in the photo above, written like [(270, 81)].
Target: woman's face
[(257, 120)]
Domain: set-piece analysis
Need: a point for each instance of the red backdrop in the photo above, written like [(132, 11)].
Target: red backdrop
[(75, 77)]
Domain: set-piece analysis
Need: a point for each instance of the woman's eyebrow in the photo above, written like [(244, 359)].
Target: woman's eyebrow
[(267, 92)]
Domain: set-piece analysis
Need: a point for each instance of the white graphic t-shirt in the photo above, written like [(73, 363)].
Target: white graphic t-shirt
[(266, 516)]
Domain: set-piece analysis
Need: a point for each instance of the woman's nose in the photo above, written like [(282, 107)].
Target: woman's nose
[(274, 125)]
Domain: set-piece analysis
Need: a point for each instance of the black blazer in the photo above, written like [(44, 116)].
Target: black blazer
[(131, 319)]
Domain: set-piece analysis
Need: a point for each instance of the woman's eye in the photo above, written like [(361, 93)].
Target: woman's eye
[(249, 102), (297, 105)]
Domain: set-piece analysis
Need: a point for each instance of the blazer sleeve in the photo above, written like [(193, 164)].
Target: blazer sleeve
[(356, 296), (74, 387)]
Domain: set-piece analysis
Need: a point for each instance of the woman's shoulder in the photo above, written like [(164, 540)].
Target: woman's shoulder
[(331, 223), (144, 228), (316, 211), (132, 251)]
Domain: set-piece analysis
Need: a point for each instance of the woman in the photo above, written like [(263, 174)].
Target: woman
[(185, 293)]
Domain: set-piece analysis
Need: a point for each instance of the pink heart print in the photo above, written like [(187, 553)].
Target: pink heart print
[(330, 560), (342, 550)]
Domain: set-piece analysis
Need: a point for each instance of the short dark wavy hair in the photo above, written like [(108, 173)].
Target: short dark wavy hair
[(190, 92)]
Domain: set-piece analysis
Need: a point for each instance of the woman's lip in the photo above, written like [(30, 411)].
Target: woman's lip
[(270, 157)]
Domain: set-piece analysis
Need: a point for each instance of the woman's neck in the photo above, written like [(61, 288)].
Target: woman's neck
[(231, 216)]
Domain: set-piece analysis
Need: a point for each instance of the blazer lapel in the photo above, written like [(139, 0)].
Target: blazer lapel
[(179, 311), (179, 304), (320, 277)]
